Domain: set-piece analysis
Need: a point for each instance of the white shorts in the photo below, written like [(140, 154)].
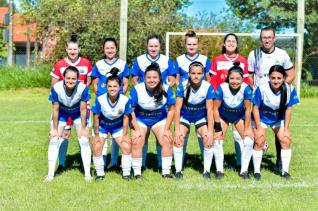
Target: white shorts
[(198, 124), (273, 126)]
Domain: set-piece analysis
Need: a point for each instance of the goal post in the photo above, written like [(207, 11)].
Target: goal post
[(292, 43)]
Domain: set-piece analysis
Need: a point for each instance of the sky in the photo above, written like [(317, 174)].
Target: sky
[(205, 5)]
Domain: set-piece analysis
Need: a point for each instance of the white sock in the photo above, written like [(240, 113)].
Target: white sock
[(126, 164), (257, 160), (52, 155), (201, 146), (144, 155), (99, 165), (136, 165), (185, 144), (247, 153), (86, 155), (166, 165), (62, 151), (114, 153), (239, 145), (286, 157), (104, 153), (219, 155), (207, 159), (159, 158), (178, 157)]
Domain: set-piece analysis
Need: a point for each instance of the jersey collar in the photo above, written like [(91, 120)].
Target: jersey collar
[(152, 60), (110, 64), (192, 59)]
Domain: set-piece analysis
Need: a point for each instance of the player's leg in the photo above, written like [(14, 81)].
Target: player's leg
[(238, 144), (64, 144), (258, 150), (278, 166), (145, 151), (219, 152), (97, 155), (114, 155)]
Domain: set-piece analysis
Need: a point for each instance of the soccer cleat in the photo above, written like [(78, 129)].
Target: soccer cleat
[(244, 175), (127, 177), (48, 178), (286, 175), (166, 176), (60, 169), (257, 176), (219, 175), (238, 168), (206, 175), (278, 167), (99, 178), (138, 177), (88, 178), (179, 175)]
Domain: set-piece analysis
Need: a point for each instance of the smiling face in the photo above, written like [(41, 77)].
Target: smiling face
[(268, 40), (110, 50), (152, 79), (196, 75), (191, 46), (70, 80), (72, 51), (276, 79), (113, 88), (230, 44), (235, 80), (153, 47)]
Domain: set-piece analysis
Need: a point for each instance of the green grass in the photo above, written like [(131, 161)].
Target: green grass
[(23, 164)]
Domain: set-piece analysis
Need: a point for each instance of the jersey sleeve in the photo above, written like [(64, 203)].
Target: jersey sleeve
[(96, 109), (180, 91), (135, 70), (85, 95), (251, 62), (257, 98), (248, 93), (56, 73), (95, 72), (287, 62), (213, 72), (293, 98), (171, 100), (126, 71), (171, 69), (207, 66), (128, 107), (133, 97), (53, 96), (219, 94), (210, 94)]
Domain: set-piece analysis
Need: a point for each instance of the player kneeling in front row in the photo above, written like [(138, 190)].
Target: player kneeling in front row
[(194, 104), (69, 98), (111, 115), (233, 105), (272, 106)]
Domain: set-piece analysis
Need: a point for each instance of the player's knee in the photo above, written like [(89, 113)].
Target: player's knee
[(126, 148), (285, 143), (248, 142), (259, 143)]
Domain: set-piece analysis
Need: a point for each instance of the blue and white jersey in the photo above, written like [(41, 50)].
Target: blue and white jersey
[(183, 62), (268, 102), (69, 104), (260, 62), (111, 116), (195, 108), (143, 61), (145, 107), (232, 106), (101, 70)]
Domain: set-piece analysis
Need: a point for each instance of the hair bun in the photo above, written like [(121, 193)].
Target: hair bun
[(236, 64), (190, 33), (73, 37)]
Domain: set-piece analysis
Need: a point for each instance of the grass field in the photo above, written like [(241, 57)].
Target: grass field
[(23, 164)]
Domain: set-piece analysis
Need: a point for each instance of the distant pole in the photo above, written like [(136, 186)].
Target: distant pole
[(123, 29), (300, 42), (10, 44)]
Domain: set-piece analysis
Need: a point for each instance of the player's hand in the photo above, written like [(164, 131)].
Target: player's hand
[(168, 136), (136, 136), (96, 138), (287, 134), (208, 136), (259, 133), (178, 138), (218, 135), (125, 138)]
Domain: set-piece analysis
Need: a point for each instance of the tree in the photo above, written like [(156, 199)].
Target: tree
[(281, 15)]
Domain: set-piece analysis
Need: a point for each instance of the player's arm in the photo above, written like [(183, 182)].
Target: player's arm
[(209, 107), (55, 116), (54, 81), (290, 75), (125, 84), (89, 81), (171, 80), (83, 110), (247, 121), (251, 79), (177, 111), (95, 82), (217, 120)]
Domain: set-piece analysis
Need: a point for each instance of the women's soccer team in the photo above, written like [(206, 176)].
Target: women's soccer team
[(211, 95)]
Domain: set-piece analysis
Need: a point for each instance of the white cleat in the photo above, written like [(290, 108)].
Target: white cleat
[(48, 178)]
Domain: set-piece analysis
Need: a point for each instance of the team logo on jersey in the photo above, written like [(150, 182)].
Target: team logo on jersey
[(81, 71)]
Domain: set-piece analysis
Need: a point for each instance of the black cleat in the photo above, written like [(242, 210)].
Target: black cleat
[(206, 175), (166, 176), (127, 177), (138, 177), (238, 168), (100, 178), (286, 175), (219, 175), (60, 169), (244, 175), (179, 175), (257, 176), (278, 167)]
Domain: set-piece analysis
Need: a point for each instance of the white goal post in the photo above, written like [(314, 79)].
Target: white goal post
[(298, 48)]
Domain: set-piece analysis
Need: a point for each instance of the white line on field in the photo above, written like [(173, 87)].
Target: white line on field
[(251, 186)]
